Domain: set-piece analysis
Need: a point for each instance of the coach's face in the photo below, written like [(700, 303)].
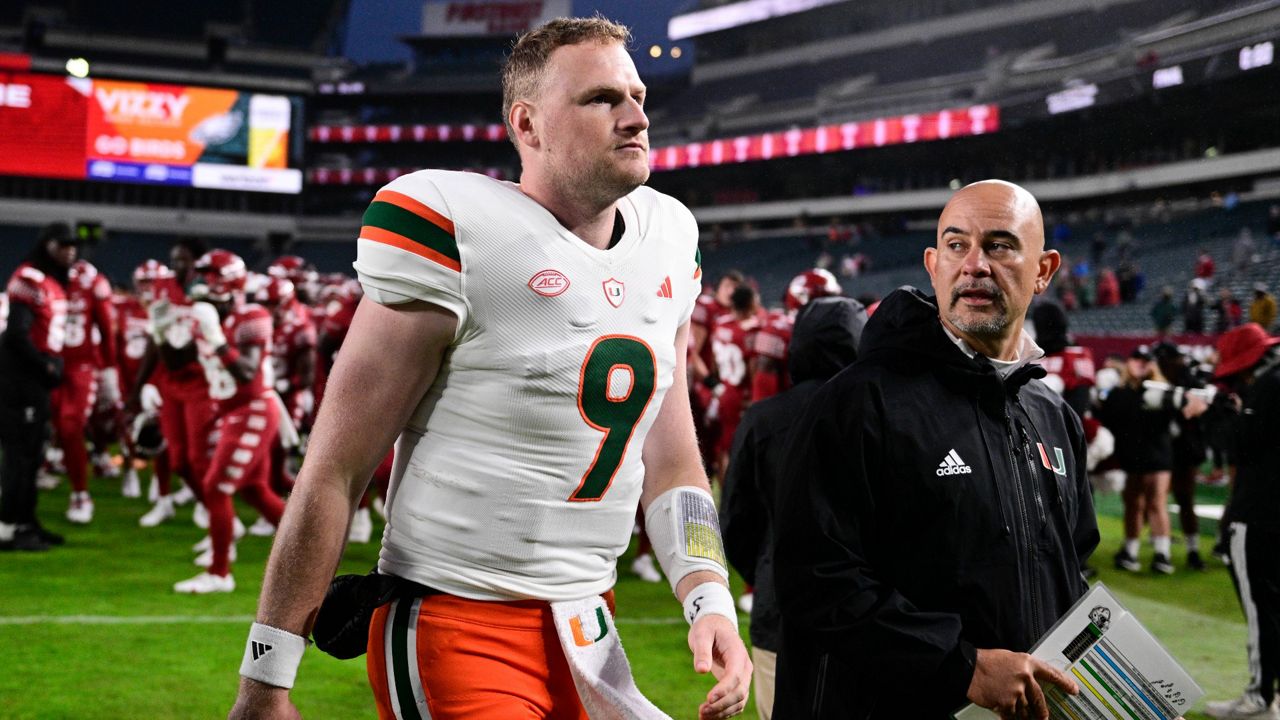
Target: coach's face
[(590, 123), (988, 263)]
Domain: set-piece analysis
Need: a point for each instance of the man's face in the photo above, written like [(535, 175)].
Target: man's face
[(589, 121), (725, 290), (64, 254), (180, 261), (989, 260)]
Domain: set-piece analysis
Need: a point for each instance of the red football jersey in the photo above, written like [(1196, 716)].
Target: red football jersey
[(187, 381), (48, 302), (1074, 365), (249, 324), (91, 334), (772, 341), (131, 324), (706, 312), (295, 336), (731, 342)]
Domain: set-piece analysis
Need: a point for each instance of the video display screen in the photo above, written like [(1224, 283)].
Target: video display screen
[(64, 127)]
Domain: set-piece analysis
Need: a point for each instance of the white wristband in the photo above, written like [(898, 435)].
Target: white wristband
[(271, 656), (710, 598)]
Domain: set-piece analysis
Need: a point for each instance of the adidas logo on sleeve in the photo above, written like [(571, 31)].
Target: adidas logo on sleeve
[(953, 465)]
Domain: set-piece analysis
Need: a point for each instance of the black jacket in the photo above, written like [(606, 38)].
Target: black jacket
[(935, 508), (824, 341), (1255, 498), (1144, 441)]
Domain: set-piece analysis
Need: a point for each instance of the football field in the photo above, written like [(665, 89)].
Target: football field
[(93, 629)]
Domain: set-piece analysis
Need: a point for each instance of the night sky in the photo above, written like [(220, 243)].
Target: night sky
[(374, 26)]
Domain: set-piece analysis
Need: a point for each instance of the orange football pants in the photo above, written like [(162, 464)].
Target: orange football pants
[(448, 658)]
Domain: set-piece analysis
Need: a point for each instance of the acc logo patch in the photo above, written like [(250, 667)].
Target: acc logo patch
[(549, 283)]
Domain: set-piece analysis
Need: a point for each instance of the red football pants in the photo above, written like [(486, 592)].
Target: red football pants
[(72, 402), (241, 464)]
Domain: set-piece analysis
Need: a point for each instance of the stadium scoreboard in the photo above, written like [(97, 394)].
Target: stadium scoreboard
[(121, 131)]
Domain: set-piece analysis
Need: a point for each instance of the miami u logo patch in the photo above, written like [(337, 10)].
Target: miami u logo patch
[(580, 638), (1059, 467)]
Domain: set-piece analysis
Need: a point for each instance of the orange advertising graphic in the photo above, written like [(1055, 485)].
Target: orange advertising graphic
[(169, 124)]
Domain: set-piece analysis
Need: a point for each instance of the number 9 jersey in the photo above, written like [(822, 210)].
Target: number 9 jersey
[(519, 473)]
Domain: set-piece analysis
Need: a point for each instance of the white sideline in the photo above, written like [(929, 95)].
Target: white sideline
[(214, 619)]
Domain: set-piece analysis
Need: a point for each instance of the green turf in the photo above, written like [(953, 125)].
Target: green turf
[(187, 667)]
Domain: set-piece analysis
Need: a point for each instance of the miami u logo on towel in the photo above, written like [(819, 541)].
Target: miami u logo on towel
[(1059, 467), (579, 639)]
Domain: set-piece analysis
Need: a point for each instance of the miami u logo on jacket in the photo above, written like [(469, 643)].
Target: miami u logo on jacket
[(579, 638), (1059, 467)]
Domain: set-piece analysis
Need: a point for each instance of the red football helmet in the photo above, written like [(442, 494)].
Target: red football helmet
[(223, 272), (147, 276), (811, 284), (276, 291), (297, 270)]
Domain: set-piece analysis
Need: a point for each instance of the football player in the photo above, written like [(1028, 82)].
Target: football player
[(90, 338), (150, 280), (187, 411), (234, 341), (515, 339), (769, 374)]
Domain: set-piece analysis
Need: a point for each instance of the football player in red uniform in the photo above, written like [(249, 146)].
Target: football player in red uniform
[(31, 366), (90, 337), (293, 364), (234, 338), (769, 367), (186, 413), (151, 281), (731, 341)]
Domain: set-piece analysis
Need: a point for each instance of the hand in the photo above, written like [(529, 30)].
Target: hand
[(718, 649), (259, 701), (1008, 683), (1194, 407), (109, 385), (160, 317), (210, 324), (149, 399)]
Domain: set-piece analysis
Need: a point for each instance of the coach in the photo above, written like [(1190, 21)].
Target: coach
[(940, 513)]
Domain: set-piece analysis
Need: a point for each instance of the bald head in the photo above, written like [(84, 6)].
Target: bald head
[(1008, 207), (988, 263)]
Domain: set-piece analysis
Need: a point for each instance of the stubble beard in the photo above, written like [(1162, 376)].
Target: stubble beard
[(983, 326)]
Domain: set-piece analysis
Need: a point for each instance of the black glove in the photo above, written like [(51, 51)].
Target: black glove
[(712, 380)]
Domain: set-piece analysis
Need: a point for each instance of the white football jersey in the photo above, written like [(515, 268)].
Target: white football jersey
[(519, 474)]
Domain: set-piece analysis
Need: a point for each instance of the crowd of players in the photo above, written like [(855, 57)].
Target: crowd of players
[(202, 368)]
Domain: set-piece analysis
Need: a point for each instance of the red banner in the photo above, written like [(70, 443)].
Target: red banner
[(957, 122), (42, 125), (379, 175)]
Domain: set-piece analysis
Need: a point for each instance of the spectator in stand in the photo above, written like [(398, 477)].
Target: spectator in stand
[(1273, 224), (1263, 308), (1242, 251), (1127, 274), (1139, 416), (1108, 288), (1227, 312), (1193, 303), (1250, 364), (1098, 247), (1164, 312), (1204, 266)]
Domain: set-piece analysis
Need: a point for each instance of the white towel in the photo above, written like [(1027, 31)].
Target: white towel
[(599, 665)]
